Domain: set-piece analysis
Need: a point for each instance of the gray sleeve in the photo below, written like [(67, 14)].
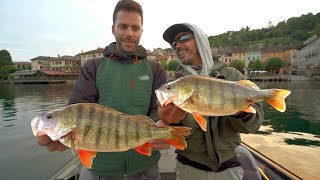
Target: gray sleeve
[(85, 89), (159, 78)]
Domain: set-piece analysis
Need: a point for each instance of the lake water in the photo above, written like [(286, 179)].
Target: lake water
[(22, 158)]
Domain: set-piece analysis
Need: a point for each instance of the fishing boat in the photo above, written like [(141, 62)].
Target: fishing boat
[(254, 164)]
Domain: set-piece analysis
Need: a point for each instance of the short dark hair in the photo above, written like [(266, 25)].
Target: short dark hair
[(127, 5)]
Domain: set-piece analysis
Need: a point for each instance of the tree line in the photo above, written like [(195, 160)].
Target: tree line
[(271, 65), (293, 31)]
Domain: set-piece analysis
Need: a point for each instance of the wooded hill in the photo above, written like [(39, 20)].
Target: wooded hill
[(293, 31)]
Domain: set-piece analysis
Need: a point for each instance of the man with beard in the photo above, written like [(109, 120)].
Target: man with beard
[(126, 81), (210, 154)]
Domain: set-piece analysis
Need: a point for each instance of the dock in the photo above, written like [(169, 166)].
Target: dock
[(270, 78)]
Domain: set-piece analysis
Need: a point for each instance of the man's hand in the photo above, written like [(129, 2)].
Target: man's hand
[(158, 144), (51, 145), (171, 113)]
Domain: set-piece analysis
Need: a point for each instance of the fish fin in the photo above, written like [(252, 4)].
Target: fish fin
[(144, 149), (86, 157), (277, 99), (177, 136), (248, 83), (72, 136), (201, 121), (249, 109), (145, 119)]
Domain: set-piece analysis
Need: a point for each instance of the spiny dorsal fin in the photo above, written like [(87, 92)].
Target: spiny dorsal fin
[(145, 119), (248, 83)]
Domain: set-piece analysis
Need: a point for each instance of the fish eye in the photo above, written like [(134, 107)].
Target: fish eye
[(168, 86), (49, 115)]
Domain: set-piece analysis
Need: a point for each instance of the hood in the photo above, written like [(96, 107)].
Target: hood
[(113, 52)]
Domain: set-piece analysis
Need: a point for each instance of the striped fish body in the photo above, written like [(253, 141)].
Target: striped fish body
[(91, 128), (208, 96), (103, 129)]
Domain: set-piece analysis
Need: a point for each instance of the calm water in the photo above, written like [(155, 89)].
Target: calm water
[(22, 158), (302, 114)]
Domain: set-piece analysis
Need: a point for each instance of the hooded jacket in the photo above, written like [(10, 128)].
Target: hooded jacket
[(125, 82), (208, 150)]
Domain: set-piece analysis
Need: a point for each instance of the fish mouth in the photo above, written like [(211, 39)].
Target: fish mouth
[(163, 99), (35, 126), (41, 128)]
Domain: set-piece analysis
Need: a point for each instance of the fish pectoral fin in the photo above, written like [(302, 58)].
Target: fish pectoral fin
[(86, 157), (249, 109), (248, 83), (144, 149), (201, 121), (73, 139)]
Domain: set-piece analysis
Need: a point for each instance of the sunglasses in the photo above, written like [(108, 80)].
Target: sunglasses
[(182, 39)]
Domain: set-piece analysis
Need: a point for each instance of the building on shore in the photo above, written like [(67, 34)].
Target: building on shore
[(308, 61), (85, 56), (63, 63), (21, 65)]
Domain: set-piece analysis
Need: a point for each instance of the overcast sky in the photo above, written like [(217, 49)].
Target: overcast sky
[(31, 28)]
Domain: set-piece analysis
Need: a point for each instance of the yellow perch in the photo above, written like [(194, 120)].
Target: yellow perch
[(208, 96), (91, 128)]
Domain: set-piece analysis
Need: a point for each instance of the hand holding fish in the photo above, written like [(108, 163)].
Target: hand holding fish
[(51, 145), (171, 113)]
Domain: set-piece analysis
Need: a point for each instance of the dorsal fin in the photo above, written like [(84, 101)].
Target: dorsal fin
[(145, 119), (248, 83)]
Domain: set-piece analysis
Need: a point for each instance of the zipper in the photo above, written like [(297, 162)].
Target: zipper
[(125, 86)]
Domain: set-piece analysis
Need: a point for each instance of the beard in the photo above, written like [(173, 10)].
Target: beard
[(127, 45)]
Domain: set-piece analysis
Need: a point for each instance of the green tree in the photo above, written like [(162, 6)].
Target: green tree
[(273, 64), (5, 71), (5, 58), (256, 65), (164, 65), (172, 66), (238, 64)]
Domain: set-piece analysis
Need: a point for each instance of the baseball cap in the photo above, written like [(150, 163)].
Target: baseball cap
[(173, 30)]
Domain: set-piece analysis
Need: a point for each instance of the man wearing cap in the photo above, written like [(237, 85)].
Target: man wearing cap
[(210, 154)]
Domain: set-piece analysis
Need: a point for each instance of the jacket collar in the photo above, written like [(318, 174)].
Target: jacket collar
[(111, 51)]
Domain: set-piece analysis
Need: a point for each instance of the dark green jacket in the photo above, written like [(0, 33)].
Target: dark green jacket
[(127, 83), (217, 145)]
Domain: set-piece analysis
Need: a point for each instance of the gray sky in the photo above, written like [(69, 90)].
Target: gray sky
[(31, 28)]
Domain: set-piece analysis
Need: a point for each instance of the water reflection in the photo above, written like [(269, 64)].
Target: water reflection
[(19, 148), (302, 114)]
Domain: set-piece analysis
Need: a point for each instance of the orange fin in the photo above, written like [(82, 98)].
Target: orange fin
[(86, 157), (177, 136), (201, 121), (144, 149), (248, 83), (277, 99), (249, 109)]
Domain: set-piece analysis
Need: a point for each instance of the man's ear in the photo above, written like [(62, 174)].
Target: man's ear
[(113, 30)]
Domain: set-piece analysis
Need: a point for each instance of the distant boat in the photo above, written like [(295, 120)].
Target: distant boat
[(254, 164)]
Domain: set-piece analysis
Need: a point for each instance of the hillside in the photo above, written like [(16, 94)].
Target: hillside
[(294, 30)]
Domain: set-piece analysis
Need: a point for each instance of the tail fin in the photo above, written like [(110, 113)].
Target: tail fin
[(277, 99), (177, 136)]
